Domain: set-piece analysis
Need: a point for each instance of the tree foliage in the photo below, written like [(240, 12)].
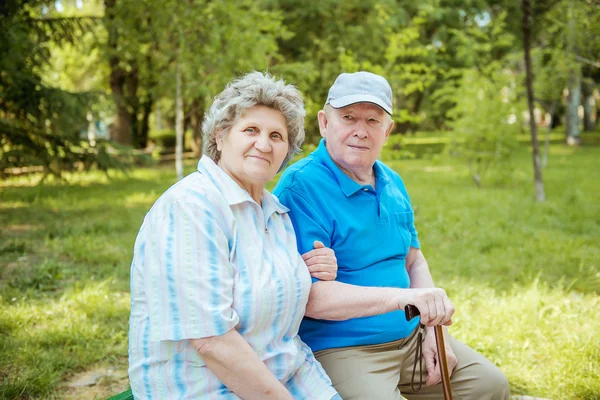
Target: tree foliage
[(121, 64), (39, 124), (485, 121)]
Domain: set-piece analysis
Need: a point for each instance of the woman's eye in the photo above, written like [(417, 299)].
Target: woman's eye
[(276, 136), (250, 130)]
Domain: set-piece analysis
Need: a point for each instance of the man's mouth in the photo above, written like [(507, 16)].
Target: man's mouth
[(361, 148)]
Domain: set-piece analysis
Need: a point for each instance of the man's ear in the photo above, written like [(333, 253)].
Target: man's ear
[(322, 117), (389, 129)]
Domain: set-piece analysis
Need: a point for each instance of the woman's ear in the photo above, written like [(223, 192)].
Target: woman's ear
[(219, 140)]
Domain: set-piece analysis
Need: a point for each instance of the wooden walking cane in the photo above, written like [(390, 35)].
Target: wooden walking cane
[(411, 312)]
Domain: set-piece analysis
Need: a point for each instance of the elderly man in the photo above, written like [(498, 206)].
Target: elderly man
[(344, 197)]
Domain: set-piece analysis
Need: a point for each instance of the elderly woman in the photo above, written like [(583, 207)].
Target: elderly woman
[(218, 288)]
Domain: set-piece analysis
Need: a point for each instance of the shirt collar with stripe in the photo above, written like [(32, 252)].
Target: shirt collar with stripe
[(233, 192)]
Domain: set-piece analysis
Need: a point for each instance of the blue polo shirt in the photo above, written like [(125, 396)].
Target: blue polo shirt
[(370, 230)]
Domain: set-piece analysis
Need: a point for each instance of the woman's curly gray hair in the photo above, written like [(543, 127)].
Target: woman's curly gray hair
[(254, 89)]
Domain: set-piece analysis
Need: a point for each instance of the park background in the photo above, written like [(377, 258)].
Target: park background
[(100, 107)]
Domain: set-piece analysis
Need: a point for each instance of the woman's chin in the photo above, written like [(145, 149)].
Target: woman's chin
[(260, 175), (256, 178)]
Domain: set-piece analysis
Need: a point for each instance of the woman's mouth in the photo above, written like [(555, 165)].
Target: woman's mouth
[(260, 158)]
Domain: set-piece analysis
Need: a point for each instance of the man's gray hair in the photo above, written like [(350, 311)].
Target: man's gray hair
[(254, 89)]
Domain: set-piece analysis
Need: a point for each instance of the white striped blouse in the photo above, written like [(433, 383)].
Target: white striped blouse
[(208, 259)]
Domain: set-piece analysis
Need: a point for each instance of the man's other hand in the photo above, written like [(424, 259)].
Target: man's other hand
[(432, 363)]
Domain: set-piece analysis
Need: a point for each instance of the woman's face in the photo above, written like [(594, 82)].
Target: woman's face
[(255, 147)]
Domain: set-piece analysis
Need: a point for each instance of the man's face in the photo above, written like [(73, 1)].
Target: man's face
[(355, 135)]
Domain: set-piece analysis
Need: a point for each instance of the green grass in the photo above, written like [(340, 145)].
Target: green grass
[(524, 276)]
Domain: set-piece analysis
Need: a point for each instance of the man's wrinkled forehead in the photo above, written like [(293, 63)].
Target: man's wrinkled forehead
[(357, 108)]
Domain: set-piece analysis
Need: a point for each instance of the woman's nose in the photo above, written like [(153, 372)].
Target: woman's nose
[(263, 144)]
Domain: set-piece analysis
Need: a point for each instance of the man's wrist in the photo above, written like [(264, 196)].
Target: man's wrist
[(399, 298)]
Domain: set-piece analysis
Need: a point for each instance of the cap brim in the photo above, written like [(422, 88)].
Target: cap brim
[(345, 101)]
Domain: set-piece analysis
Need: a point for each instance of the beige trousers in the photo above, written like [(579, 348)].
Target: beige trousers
[(384, 371)]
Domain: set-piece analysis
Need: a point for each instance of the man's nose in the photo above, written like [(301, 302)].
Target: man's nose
[(360, 130)]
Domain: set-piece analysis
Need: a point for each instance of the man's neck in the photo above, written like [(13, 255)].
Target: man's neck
[(362, 177)]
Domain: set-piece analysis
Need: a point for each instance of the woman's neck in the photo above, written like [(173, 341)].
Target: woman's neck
[(254, 190)]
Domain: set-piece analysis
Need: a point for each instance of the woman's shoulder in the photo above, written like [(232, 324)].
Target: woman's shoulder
[(195, 191)]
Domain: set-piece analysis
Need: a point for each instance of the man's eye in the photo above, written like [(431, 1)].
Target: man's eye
[(348, 117)]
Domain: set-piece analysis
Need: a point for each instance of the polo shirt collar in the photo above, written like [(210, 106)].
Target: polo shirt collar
[(232, 191), (348, 185), (381, 175)]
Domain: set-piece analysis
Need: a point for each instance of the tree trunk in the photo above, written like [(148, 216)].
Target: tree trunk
[(547, 140), (147, 103), (122, 125), (573, 101), (158, 117), (196, 117), (537, 170), (142, 140), (588, 100), (574, 86), (556, 116), (91, 133), (132, 85), (178, 123), (121, 132)]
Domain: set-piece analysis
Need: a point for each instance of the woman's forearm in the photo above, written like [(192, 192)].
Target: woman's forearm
[(236, 364)]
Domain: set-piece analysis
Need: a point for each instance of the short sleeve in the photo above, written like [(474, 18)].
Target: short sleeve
[(188, 276), (308, 223)]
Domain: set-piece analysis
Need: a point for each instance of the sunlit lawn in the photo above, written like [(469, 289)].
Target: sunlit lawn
[(525, 277)]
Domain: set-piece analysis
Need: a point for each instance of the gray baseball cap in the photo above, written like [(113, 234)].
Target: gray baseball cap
[(360, 87)]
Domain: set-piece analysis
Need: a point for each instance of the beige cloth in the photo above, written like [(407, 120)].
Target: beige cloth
[(384, 371)]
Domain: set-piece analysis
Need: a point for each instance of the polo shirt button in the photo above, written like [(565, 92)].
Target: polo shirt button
[(366, 189)]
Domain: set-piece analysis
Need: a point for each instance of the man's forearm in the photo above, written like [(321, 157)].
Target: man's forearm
[(236, 364), (419, 274), (418, 270), (337, 301)]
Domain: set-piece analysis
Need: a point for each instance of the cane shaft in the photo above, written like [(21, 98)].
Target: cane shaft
[(441, 348), (412, 312)]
